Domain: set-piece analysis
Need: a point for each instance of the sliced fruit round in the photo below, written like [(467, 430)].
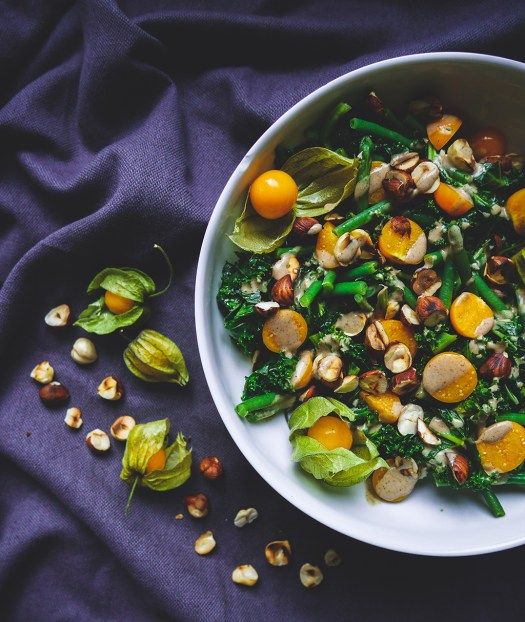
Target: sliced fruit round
[(441, 131), (402, 241), (454, 201), (506, 452), (332, 432), (285, 331), (387, 405), (516, 210), (449, 377), (471, 316), (273, 194), (397, 331), (325, 247)]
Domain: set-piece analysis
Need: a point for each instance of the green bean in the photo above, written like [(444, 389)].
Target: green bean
[(518, 479), (364, 217), (443, 342), (485, 292), (410, 297), (365, 269), (493, 502), (415, 125), (516, 417), (329, 280), (459, 254), (363, 175), (368, 127), (436, 258), (431, 151), (347, 288), (447, 282), (312, 291), (363, 303), (298, 251), (520, 300)]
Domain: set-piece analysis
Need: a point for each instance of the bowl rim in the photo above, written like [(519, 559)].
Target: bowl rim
[(263, 468)]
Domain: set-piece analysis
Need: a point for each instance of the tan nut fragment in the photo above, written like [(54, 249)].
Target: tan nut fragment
[(278, 553), (98, 441), (405, 161), (43, 372), (121, 427), (58, 317), (348, 384), (110, 389), (347, 249), (245, 517), (265, 309), (332, 558), (373, 381), (310, 576), (73, 418), (84, 351), (328, 368), (376, 337), (197, 505), (405, 382), (245, 574), (205, 543), (426, 177), (397, 358), (287, 264), (408, 419), (426, 435), (409, 316), (460, 154)]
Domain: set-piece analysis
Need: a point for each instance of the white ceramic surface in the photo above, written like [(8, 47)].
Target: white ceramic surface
[(488, 90)]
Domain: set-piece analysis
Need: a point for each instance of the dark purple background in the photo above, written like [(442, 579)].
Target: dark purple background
[(118, 129)]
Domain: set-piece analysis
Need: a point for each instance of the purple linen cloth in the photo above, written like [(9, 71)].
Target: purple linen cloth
[(120, 123)]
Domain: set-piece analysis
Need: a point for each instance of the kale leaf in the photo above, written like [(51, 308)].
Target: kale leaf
[(391, 443), (476, 406), (234, 275), (275, 375)]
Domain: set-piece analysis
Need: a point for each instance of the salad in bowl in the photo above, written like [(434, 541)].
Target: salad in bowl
[(379, 290)]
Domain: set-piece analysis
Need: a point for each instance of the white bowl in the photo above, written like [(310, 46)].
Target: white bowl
[(486, 89)]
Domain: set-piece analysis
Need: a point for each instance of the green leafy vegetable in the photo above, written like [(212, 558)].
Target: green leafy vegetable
[(304, 416), (152, 357), (146, 440), (324, 177), (257, 234), (391, 443), (275, 375), (477, 405)]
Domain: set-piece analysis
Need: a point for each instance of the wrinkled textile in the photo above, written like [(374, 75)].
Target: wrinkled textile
[(120, 122)]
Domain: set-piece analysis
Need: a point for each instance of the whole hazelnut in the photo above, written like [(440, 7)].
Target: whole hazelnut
[(84, 351), (498, 365), (431, 311), (110, 389), (53, 394), (211, 467), (197, 505), (282, 291)]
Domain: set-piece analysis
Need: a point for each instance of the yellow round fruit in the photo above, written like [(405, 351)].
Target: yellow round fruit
[(273, 194), (331, 432)]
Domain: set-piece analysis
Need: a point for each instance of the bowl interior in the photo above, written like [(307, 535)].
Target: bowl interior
[(484, 91)]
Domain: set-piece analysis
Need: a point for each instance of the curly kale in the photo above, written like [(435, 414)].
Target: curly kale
[(234, 275), (431, 341), (353, 350), (477, 405), (275, 375), (476, 481), (391, 443), (508, 332)]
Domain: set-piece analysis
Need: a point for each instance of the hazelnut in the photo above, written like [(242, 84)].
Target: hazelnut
[(58, 317), (328, 368), (405, 161), (375, 104), (431, 311), (368, 250), (312, 391), (439, 426), (265, 309), (405, 382), (287, 264), (73, 418), (408, 419), (245, 575), (373, 381), (197, 505), (459, 466), (376, 337), (282, 291), (397, 357), (332, 558), (43, 372), (98, 441), (399, 186), (500, 270), (306, 225), (121, 427), (211, 467), (310, 575), (427, 109), (461, 156), (348, 384), (110, 389), (426, 177), (498, 365), (409, 317), (53, 394), (347, 249), (245, 517), (425, 282), (278, 553), (205, 543), (333, 217), (84, 351), (401, 226), (426, 435)]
